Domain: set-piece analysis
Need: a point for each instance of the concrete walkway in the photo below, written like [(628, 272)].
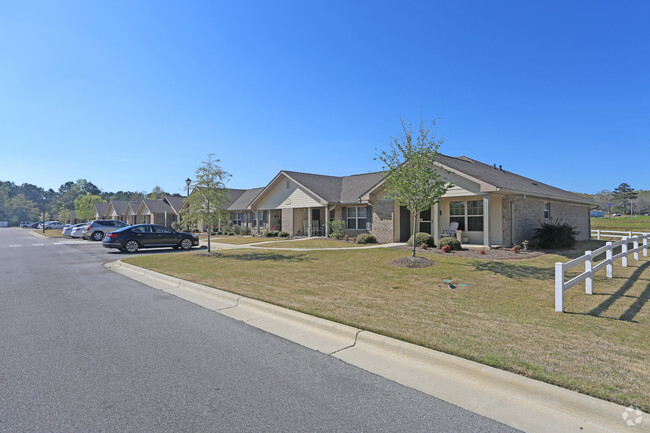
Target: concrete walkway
[(514, 400), (257, 245)]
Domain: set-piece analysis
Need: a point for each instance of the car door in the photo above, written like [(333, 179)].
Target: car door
[(165, 236), (145, 235)]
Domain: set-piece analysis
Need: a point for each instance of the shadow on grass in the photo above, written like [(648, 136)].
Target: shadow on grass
[(274, 257), (634, 309), (516, 271)]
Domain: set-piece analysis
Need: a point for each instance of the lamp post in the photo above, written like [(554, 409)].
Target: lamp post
[(43, 225), (188, 181)]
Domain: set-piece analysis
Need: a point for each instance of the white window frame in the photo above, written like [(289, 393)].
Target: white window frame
[(356, 217), (547, 210)]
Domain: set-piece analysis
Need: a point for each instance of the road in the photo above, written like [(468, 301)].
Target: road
[(85, 349)]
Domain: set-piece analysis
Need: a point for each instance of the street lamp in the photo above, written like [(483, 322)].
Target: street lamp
[(43, 225), (188, 181)]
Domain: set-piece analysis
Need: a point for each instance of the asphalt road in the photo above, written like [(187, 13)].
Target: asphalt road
[(85, 349)]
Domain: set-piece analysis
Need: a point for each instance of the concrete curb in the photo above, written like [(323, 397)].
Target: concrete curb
[(514, 400)]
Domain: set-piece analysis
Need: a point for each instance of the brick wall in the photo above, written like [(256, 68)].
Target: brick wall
[(382, 220), (528, 214), (287, 221)]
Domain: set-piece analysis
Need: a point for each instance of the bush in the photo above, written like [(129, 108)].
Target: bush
[(176, 226), (236, 229), (271, 233), (246, 230), (283, 234), (338, 229), (421, 238), (454, 244), (366, 238), (554, 235)]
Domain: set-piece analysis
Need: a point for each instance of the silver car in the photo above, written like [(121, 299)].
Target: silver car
[(76, 232), (96, 230), (53, 225), (67, 231)]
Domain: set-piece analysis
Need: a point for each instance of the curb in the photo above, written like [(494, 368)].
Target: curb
[(515, 400)]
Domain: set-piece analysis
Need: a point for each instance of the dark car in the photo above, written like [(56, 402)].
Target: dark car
[(35, 225), (132, 238)]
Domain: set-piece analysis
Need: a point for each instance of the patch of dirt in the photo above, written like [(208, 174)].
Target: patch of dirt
[(210, 254), (411, 262), (494, 254)]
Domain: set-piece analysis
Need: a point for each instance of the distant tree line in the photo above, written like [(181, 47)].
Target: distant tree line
[(623, 199), (28, 202)]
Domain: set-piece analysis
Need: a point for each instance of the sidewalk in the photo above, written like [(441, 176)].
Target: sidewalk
[(514, 400)]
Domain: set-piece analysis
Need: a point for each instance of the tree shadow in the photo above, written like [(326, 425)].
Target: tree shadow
[(273, 257), (516, 271)]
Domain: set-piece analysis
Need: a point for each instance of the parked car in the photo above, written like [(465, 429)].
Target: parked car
[(132, 238), (96, 230), (36, 225), (25, 224), (49, 225), (67, 230), (76, 231)]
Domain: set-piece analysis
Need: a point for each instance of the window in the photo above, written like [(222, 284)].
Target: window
[(547, 210), (457, 213), (236, 218), (425, 221), (161, 229), (471, 221), (357, 218), (287, 184)]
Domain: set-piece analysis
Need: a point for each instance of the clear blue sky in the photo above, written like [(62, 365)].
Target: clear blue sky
[(130, 95)]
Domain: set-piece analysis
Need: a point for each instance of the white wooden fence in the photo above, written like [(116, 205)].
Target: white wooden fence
[(590, 269), (599, 234)]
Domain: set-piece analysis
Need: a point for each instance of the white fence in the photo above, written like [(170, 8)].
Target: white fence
[(590, 269), (599, 234)]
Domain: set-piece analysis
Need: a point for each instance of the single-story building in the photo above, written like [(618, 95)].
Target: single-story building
[(491, 206)]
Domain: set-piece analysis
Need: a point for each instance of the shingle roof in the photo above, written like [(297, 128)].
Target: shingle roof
[(234, 195), (100, 208), (355, 186), (175, 202), (119, 206), (244, 198), (326, 187), (507, 180), (157, 206)]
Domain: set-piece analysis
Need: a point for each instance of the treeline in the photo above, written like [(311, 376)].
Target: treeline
[(28, 202), (623, 199)]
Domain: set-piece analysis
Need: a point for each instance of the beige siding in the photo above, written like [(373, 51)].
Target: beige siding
[(282, 197), (462, 187), (496, 220)]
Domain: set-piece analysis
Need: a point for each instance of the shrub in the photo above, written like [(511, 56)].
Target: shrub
[(366, 238), (453, 243), (271, 233), (283, 234), (176, 226), (338, 229), (236, 229), (421, 238), (555, 235), (246, 230)]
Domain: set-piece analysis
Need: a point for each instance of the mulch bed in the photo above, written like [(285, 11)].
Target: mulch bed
[(494, 254), (210, 254)]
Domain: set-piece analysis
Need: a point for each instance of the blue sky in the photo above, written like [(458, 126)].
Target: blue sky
[(130, 95)]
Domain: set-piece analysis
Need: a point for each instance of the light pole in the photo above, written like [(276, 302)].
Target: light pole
[(188, 181), (43, 225)]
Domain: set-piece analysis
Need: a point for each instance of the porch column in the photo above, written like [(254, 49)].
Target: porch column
[(435, 222), (257, 222), (309, 221), (486, 220), (327, 221)]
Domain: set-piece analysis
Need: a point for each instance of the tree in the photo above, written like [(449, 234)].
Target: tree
[(209, 198), (65, 215), (412, 179), (623, 195), (157, 193), (85, 206)]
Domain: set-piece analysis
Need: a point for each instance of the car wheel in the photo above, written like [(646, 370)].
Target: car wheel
[(186, 243), (97, 236), (131, 246)]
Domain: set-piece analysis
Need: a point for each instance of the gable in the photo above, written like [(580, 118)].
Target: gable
[(462, 186), (281, 197)]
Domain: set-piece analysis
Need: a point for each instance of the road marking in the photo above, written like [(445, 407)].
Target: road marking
[(13, 246), (37, 245)]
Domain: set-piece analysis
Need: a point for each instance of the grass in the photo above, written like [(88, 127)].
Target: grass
[(51, 233), (236, 240), (634, 223), (504, 316), (314, 243)]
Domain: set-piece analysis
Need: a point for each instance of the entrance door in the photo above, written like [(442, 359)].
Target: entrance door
[(404, 224)]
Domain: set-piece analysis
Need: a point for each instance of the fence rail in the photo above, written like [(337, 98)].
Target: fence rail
[(590, 269), (599, 234)]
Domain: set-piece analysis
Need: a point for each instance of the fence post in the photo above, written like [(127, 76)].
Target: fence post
[(598, 233), (610, 264), (624, 251), (630, 234), (636, 247), (645, 245), (589, 282), (559, 287)]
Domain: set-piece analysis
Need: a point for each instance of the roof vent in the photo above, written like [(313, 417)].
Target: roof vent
[(500, 167), (495, 166), (534, 183)]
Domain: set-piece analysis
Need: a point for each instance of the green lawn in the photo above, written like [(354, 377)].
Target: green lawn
[(313, 243), (504, 317), (237, 240), (634, 223)]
